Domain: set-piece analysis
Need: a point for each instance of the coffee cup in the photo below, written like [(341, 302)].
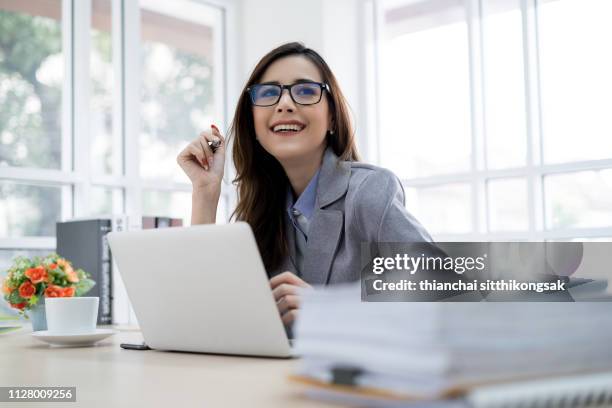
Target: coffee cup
[(71, 315)]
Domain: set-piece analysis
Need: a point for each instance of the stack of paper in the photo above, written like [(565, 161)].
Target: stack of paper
[(430, 350)]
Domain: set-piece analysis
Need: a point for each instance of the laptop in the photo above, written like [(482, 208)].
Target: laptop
[(200, 289)]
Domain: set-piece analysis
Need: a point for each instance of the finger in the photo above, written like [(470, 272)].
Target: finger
[(287, 277), (198, 154), (204, 159), (208, 153), (284, 289), (219, 140), (217, 133), (289, 317), (192, 152), (287, 303)]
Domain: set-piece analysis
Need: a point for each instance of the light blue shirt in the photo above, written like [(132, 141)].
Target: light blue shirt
[(300, 214), (301, 211)]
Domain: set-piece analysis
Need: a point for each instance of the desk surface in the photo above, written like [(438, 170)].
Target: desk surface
[(107, 376)]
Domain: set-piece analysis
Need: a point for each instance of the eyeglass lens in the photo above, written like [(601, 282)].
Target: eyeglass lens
[(302, 93)]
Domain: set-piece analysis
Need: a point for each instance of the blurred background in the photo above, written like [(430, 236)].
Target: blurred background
[(496, 114)]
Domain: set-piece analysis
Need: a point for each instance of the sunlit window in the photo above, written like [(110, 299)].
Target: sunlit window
[(501, 111), (575, 79), (29, 210), (105, 143), (424, 95), (507, 200), (106, 201), (504, 84), (31, 78), (581, 200), (443, 208), (69, 153), (179, 97)]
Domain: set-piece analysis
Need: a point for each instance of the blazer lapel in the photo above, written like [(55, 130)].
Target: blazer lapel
[(326, 225)]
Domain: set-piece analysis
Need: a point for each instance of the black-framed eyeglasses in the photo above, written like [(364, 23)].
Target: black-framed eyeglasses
[(302, 93)]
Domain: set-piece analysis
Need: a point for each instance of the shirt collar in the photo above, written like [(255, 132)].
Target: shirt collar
[(306, 201)]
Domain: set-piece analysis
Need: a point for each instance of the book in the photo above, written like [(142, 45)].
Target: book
[(83, 242), (120, 300), (429, 350), (149, 222), (581, 390)]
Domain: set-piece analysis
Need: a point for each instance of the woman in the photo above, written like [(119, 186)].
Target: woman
[(301, 188)]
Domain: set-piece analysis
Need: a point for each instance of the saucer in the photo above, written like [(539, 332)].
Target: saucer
[(78, 339)]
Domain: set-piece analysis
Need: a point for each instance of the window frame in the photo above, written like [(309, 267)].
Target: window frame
[(76, 170), (479, 175)]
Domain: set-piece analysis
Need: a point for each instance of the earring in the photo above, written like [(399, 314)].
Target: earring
[(331, 132)]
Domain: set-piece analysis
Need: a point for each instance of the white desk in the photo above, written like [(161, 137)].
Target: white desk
[(107, 376)]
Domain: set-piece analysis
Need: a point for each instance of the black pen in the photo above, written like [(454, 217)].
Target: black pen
[(214, 145)]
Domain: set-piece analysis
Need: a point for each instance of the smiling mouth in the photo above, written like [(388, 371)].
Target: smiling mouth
[(287, 129)]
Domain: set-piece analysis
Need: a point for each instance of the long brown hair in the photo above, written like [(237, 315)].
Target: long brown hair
[(261, 180)]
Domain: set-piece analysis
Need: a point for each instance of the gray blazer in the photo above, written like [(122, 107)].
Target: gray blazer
[(356, 202)]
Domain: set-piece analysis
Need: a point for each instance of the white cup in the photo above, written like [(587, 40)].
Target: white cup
[(72, 315)]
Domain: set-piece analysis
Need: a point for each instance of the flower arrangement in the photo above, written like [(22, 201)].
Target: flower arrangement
[(29, 280)]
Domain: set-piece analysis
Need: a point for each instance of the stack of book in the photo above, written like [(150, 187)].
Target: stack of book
[(435, 351)]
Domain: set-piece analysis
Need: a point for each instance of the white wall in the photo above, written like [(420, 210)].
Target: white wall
[(331, 27), (269, 23)]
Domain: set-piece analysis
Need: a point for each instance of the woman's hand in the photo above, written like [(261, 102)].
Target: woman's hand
[(285, 288), (203, 167)]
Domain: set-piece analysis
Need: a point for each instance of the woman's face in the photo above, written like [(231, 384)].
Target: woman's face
[(313, 120)]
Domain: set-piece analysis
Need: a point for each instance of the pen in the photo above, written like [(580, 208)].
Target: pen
[(214, 145)]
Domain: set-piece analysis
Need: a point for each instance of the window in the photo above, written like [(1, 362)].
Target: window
[(65, 146), (496, 116), (31, 79), (169, 204), (178, 95), (29, 210), (106, 146), (442, 208), (106, 200), (578, 200), (33, 137), (425, 127), (98, 97), (576, 119), (507, 199), (504, 84)]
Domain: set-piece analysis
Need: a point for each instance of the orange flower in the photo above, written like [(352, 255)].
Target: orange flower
[(6, 289), (38, 274), (54, 291), (69, 291), (71, 275), (26, 290), (19, 306), (53, 266), (62, 262)]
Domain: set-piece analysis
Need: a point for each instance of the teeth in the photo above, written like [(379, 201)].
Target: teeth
[(279, 128)]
